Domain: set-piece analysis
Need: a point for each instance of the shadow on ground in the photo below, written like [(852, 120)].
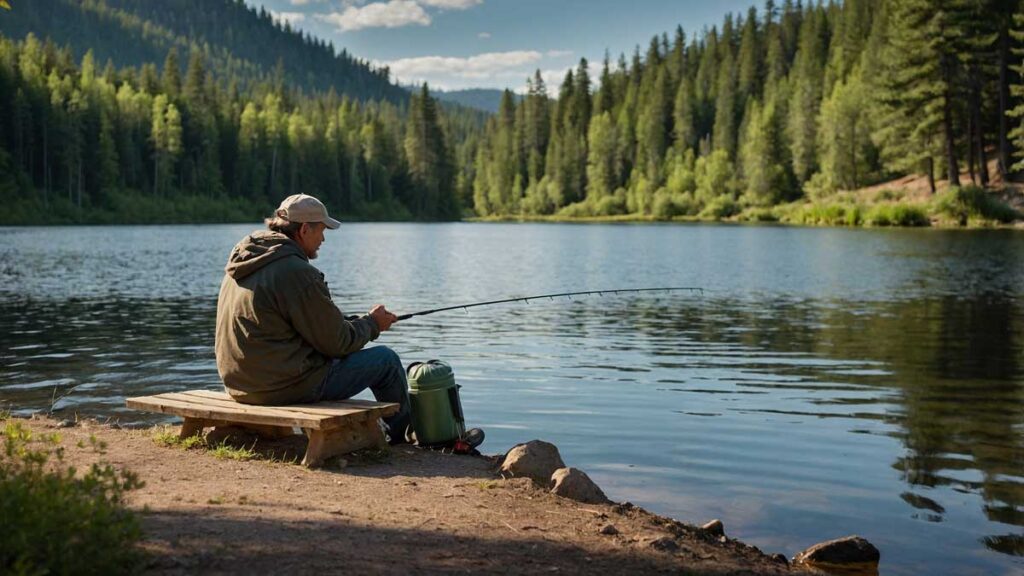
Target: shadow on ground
[(197, 543)]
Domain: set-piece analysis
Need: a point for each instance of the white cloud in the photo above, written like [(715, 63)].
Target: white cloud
[(451, 4), (490, 65), (558, 53), (301, 2), (292, 18), (489, 70), (484, 35), (393, 14)]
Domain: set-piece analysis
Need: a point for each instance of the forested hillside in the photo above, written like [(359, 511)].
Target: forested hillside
[(772, 106), (781, 104), (78, 143), (243, 45)]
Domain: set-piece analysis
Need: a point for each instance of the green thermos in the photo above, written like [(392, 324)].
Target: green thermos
[(436, 409)]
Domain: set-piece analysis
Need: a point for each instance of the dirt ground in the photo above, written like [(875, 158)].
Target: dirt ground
[(407, 511), (915, 186)]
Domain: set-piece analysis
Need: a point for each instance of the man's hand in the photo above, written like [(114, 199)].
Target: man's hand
[(382, 317)]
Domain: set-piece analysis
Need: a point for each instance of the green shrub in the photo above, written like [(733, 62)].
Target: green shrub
[(609, 206), (830, 214), (889, 195), (972, 204), (669, 204), (577, 210), (897, 215), (759, 215), (720, 207), (57, 521)]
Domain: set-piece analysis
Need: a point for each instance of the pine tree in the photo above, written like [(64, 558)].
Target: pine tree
[(808, 83), (170, 81), (923, 78), (429, 160), (725, 107), (750, 64)]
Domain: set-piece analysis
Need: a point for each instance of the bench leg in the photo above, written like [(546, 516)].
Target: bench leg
[(324, 444), (191, 427)]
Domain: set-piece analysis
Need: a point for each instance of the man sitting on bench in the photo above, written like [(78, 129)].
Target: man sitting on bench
[(280, 338)]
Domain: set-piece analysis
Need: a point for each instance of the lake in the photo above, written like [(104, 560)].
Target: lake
[(826, 382)]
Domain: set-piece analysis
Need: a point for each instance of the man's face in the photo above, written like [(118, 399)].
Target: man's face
[(310, 237)]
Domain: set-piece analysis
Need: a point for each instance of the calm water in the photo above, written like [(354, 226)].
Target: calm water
[(827, 382)]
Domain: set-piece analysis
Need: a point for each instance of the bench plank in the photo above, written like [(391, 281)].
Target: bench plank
[(210, 405), (332, 427), (328, 408), (326, 417)]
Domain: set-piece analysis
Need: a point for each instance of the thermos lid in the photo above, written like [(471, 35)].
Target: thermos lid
[(430, 375)]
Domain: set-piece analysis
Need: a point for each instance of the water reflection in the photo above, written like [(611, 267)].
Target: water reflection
[(870, 382)]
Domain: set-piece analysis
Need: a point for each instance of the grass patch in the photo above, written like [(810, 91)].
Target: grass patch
[(488, 484), (897, 214), (824, 214), (225, 451), (973, 206), (758, 215), (58, 520)]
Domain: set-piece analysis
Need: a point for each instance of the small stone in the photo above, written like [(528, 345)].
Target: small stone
[(664, 544), (723, 539), (609, 530), (536, 459), (66, 424), (576, 485), (715, 528), (848, 550), (779, 558)]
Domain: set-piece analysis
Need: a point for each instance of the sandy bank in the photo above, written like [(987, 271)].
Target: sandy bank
[(409, 511)]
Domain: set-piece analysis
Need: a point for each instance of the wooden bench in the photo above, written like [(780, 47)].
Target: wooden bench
[(333, 428)]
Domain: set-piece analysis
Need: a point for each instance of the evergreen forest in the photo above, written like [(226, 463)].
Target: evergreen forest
[(128, 111)]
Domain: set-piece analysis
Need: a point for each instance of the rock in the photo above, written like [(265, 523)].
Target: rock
[(848, 550), (609, 530), (536, 459), (715, 528), (66, 424), (779, 558), (576, 485), (665, 544)]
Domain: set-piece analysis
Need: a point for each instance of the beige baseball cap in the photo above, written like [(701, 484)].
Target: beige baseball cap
[(304, 208)]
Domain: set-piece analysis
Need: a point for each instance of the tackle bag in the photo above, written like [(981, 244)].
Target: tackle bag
[(436, 409)]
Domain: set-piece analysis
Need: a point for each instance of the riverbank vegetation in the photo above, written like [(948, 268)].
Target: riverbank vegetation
[(779, 114), (774, 107), (58, 520)]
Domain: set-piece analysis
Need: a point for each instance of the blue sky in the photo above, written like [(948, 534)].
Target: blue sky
[(454, 44)]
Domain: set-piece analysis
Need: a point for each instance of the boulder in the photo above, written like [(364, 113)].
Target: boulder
[(576, 485), (536, 459), (848, 550), (715, 528), (609, 530)]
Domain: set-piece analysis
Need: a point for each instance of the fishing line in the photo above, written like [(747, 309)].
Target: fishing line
[(568, 295)]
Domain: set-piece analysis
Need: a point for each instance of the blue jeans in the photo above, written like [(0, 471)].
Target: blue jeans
[(379, 369)]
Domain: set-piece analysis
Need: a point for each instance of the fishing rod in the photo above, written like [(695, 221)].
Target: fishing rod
[(550, 297)]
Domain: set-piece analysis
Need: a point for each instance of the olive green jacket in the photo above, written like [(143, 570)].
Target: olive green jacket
[(277, 327)]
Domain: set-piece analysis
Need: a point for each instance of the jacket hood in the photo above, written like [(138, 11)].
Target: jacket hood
[(259, 249)]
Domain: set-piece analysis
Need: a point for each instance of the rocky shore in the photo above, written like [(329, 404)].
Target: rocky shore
[(406, 510)]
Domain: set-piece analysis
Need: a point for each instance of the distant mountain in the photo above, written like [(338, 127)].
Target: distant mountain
[(486, 99), (242, 43)]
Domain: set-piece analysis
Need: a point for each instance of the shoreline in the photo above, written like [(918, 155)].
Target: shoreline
[(406, 510)]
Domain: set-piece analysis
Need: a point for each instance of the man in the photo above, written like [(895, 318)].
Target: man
[(280, 338)]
